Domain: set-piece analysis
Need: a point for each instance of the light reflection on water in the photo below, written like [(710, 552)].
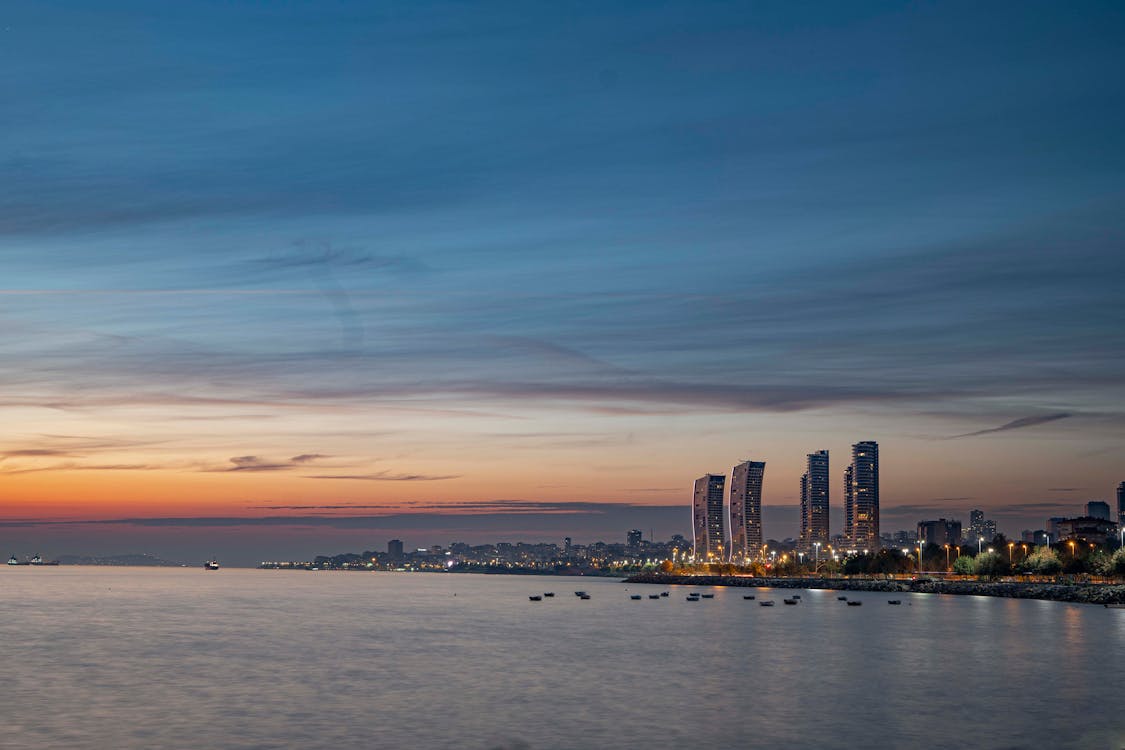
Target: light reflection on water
[(140, 658)]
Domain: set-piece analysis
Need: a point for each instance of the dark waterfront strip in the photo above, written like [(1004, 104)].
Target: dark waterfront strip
[(1086, 593)]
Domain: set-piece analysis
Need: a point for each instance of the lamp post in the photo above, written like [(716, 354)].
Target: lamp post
[(946, 557), (919, 557), (1010, 546), (980, 541), (816, 563)]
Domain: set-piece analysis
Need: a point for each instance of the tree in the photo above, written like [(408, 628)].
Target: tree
[(1043, 561), (1099, 563), (990, 564), (1118, 563), (964, 566)]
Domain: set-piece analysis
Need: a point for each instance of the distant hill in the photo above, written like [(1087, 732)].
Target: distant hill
[(134, 559)]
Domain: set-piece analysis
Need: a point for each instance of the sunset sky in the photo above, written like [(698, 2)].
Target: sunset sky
[(279, 279)]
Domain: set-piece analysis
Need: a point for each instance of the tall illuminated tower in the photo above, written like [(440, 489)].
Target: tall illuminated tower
[(814, 501), (861, 496), (707, 517), (746, 509), (1121, 505)]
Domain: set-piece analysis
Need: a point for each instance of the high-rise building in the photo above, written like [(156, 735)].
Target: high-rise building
[(940, 532), (707, 517), (861, 496), (814, 501), (1098, 509), (1121, 506), (633, 539), (746, 509), (394, 549), (976, 524)]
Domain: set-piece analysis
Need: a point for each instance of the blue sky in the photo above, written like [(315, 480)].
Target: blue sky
[(676, 233)]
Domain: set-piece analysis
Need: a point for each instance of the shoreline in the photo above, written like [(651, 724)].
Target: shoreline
[(1077, 593)]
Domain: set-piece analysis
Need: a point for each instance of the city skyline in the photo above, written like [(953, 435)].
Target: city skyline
[(297, 275)]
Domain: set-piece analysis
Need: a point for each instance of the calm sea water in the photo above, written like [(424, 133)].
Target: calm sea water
[(157, 658)]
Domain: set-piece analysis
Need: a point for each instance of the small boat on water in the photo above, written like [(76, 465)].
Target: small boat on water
[(854, 604), (580, 594), (548, 593), (766, 603), (796, 596), (535, 598), (748, 597), (789, 601), (635, 597), (841, 598), (708, 596), (584, 596), (13, 560), (211, 565), (664, 593), (692, 598), (654, 596), (894, 601)]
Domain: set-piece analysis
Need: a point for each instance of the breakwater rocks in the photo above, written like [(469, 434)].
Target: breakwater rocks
[(1084, 593)]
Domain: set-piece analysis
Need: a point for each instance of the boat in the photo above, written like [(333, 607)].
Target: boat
[(894, 601), (796, 596), (692, 598), (211, 565), (748, 597), (38, 560), (13, 560), (664, 593), (535, 598), (548, 593), (841, 598), (708, 596), (580, 594), (853, 603), (584, 596), (635, 597), (789, 601), (654, 596), (766, 602)]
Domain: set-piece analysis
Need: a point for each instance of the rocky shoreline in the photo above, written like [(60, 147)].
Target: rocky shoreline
[(1083, 593)]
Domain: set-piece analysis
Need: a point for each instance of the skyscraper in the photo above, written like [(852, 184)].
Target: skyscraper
[(861, 496), (1098, 509), (1121, 505), (814, 501), (976, 525), (746, 509), (707, 517)]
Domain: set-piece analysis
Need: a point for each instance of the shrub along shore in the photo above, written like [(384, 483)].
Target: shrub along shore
[(1084, 593)]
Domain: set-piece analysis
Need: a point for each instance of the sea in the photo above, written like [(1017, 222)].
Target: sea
[(120, 658)]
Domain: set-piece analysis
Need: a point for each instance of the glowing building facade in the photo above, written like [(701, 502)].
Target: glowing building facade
[(707, 517), (746, 510)]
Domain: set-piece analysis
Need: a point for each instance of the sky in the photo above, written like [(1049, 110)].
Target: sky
[(294, 278)]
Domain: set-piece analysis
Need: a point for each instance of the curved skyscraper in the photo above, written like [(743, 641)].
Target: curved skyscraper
[(707, 517), (746, 509)]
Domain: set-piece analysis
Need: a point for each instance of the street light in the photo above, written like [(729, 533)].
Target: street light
[(980, 541), (816, 564), (1010, 545), (946, 556)]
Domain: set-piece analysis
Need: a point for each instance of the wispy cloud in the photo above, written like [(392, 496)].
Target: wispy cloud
[(1016, 424), (257, 463), (387, 476)]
